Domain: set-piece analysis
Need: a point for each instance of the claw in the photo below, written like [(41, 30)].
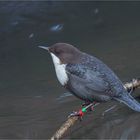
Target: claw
[(79, 113)]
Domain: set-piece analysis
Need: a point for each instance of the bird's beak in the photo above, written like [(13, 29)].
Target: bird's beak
[(43, 47)]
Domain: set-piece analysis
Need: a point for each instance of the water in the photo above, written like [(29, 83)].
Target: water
[(29, 90)]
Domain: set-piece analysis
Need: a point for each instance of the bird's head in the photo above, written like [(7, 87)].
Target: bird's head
[(63, 53)]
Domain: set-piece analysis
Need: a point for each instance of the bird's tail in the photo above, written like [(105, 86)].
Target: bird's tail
[(130, 102)]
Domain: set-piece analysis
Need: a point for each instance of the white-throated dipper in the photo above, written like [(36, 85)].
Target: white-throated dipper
[(87, 77)]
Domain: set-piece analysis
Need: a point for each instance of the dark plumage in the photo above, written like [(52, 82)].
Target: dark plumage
[(88, 78)]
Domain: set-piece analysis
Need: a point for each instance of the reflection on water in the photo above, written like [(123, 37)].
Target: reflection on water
[(57, 28), (32, 103)]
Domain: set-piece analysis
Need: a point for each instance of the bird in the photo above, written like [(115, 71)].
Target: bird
[(87, 77)]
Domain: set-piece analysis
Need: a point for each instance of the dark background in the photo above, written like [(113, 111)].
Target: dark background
[(32, 102)]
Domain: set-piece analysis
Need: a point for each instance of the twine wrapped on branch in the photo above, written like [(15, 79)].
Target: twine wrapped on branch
[(135, 83)]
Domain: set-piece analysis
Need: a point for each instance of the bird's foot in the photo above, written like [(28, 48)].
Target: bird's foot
[(79, 114)]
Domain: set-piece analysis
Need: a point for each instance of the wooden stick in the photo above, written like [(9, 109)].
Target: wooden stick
[(135, 83)]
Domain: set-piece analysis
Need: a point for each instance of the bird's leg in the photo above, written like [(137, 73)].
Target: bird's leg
[(86, 103), (81, 112)]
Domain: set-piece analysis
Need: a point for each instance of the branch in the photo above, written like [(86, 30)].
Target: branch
[(135, 83), (129, 86)]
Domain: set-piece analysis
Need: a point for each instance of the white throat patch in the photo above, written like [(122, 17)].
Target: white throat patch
[(60, 70)]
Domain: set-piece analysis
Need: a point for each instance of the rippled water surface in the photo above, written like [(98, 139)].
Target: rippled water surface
[(32, 102)]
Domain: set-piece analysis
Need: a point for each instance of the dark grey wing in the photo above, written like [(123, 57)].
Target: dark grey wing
[(96, 81), (115, 85), (87, 83)]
